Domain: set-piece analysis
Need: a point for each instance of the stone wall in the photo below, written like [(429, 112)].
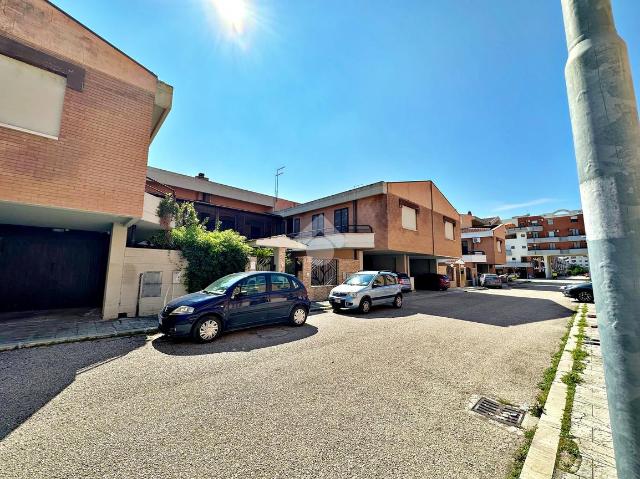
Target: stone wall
[(321, 293)]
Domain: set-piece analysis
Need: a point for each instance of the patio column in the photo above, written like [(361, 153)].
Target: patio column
[(279, 257), (547, 266), (115, 266)]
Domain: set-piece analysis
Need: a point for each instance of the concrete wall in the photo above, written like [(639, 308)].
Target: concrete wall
[(140, 260), (99, 161)]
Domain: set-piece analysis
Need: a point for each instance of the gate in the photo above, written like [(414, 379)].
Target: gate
[(324, 272), (41, 268), (265, 264)]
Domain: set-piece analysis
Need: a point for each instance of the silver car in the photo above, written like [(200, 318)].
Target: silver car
[(366, 288)]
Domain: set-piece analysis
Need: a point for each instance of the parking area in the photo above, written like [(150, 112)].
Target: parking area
[(383, 395)]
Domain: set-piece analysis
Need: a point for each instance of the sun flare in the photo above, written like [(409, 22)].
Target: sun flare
[(233, 13)]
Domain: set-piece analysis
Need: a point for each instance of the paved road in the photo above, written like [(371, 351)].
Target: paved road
[(380, 396)]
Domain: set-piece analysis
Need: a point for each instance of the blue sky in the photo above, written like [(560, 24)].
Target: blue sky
[(468, 93)]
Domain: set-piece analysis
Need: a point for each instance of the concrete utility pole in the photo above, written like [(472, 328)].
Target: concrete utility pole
[(606, 136)]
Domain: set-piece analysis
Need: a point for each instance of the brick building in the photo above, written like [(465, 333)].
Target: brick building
[(77, 117), (547, 236), (483, 244)]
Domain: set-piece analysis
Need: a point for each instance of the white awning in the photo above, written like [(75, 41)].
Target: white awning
[(281, 241)]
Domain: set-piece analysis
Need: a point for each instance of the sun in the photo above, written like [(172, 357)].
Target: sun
[(233, 13)]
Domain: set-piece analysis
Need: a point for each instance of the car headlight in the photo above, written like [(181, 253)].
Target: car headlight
[(183, 310)]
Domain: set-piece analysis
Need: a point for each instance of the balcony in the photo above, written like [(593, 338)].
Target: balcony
[(524, 229), (350, 237), (557, 252), (475, 257), (557, 239)]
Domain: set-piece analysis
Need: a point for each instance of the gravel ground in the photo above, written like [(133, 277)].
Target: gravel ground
[(376, 396)]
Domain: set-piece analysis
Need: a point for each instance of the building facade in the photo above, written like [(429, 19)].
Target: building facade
[(483, 245), (77, 117), (548, 236)]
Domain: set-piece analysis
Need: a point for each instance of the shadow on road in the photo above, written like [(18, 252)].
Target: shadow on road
[(493, 309), (240, 341), (30, 378)]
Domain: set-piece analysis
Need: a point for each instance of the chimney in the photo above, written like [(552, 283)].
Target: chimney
[(201, 176)]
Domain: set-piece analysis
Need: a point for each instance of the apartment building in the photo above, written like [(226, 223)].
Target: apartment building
[(547, 236), (483, 245), (77, 116), (407, 227)]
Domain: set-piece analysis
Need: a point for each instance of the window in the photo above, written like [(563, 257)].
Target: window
[(379, 281), (549, 221), (524, 247), (390, 280), (534, 222), (317, 224), (256, 232), (552, 234), (296, 225), (535, 234), (253, 285), (341, 220), (31, 99), (409, 221), (280, 282), (448, 230), (577, 244), (324, 272), (523, 235), (499, 244), (574, 219), (227, 223), (574, 232)]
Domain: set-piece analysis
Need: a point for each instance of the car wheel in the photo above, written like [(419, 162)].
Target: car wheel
[(397, 301), (365, 305), (585, 297), (207, 329), (298, 316), (335, 310)]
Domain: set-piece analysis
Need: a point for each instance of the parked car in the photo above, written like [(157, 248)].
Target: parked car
[(513, 276), (490, 281), (433, 281), (405, 281), (583, 292), (236, 301), (366, 288)]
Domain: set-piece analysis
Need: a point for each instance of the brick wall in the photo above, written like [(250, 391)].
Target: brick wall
[(321, 293), (99, 161)]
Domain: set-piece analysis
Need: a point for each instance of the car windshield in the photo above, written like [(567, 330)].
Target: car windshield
[(221, 285), (489, 276), (359, 279)]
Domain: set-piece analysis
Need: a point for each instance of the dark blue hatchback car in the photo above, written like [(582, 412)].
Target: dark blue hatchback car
[(236, 301)]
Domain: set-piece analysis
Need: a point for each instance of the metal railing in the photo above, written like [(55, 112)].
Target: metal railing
[(331, 231)]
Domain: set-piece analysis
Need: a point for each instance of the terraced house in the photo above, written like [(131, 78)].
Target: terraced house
[(77, 117)]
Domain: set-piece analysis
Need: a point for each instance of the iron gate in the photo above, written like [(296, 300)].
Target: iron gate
[(324, 272)]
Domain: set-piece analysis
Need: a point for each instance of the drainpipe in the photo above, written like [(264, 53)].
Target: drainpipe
[(606, 136)]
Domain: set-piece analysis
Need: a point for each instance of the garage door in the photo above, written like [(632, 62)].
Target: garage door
[(41, 268)]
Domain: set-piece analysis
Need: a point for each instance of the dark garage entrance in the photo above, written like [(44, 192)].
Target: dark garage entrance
[(44, 268)]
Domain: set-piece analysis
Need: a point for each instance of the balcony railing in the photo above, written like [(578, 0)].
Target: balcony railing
[(331, 231), (557, 239), (524, 229)]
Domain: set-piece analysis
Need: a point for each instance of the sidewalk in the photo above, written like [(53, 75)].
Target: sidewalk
[(44, 328), (62, 326), (590, 424)]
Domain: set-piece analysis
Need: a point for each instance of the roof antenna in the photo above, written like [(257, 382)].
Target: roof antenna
[(279, 172)]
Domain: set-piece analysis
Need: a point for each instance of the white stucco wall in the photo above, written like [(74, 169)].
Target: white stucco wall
[(140, 260)]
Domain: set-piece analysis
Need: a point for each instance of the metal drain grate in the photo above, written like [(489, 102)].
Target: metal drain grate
[(499, 412), (591, 341)]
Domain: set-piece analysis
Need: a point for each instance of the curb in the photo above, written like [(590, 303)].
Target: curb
[(541, 459), (74, 339)]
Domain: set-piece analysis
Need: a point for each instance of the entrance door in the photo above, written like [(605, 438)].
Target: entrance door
[(41, 268)]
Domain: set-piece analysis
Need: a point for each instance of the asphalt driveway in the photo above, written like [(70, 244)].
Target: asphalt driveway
[(382, 395)]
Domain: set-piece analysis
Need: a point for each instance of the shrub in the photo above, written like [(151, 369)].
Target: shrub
[(211, 254)]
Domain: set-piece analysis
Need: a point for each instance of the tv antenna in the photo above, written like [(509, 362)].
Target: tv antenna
[(279, 172)]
